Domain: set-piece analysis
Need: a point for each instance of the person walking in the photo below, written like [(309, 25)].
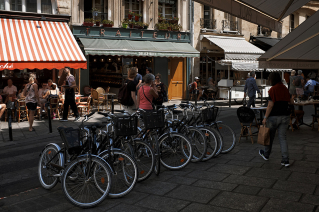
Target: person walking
[(131, 89), (277, 117), (252, 87), (68, 79), (292, 87), (160, 87), (31, 98), (146, 93), (138, 79)]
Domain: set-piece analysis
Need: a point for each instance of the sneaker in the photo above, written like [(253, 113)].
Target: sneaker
[(261, 152), (285, 163), (63, 120), (77, 118)]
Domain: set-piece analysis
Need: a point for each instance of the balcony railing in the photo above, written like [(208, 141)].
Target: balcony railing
[(101, 16), (208, 23), (230, 25)]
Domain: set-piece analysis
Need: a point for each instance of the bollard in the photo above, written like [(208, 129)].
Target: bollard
[(196, 97), (49, 117), (10, 123), (112, 104)]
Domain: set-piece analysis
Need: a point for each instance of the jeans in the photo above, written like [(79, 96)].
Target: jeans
[(307, 93), (70, 101), (280, 123), (251, 102)]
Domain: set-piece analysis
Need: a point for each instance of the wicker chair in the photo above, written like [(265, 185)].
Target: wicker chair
[(96, 99), (85, 106)]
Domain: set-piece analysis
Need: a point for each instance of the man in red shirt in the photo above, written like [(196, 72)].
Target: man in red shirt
[(193, 87)]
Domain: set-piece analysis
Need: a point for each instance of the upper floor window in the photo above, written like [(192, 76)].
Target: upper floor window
[(31, 6), (46, 6), (292, 22), (97, 5), (2, 7), (167, 8), (135, 6), (16, 5)]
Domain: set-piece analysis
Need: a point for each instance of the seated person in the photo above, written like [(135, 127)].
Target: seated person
[(49, 94), (193, 86), (50, 83), (212, 88), (10, 90), (310, 87), (42, 92)]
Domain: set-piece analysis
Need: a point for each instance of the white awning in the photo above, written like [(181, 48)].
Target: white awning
[(236, 48), (240, 65)]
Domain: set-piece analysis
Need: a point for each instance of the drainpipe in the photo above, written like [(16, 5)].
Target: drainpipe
[(191, 35)]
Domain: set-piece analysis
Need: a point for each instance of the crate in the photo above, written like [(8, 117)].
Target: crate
[(209, 114), (72, 140), (125, 125), (153, 119)]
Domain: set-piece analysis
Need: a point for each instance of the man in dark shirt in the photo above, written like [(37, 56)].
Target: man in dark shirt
[(138, 79), (131, 89), (252, 87)]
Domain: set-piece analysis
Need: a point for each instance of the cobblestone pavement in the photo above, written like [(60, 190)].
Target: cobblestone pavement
[(238, 181)]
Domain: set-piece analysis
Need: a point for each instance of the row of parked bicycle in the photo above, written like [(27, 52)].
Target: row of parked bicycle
[(108, 158)]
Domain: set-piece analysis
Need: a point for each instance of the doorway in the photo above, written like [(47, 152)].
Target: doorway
[(176, 69)]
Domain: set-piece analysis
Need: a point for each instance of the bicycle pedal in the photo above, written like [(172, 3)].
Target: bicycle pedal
[(57, 175)]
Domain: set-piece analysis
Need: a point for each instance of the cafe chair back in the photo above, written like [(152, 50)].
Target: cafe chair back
[(96, 99), (85, 106), (22, 109), (315, 117), (247, 120), (54, 105)]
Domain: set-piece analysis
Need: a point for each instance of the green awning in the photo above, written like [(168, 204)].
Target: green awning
[(137, 48)]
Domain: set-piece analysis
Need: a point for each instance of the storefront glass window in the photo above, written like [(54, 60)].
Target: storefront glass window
[(2, 5), (46, 6), (31, 6), (167, 8), (16, 5), (135, 6)]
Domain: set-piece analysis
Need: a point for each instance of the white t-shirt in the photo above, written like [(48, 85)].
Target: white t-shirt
[(10, 90)]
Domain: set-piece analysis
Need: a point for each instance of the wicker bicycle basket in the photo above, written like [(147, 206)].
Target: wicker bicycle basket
[(153, 119), (72, 140), (209, 114), (125, 125)]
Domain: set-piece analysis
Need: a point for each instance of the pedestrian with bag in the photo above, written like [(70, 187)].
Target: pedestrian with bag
[(31, 99), (147, 93), (161, 91), (252, 87), (277, 117), (127, 93), (69, 81)]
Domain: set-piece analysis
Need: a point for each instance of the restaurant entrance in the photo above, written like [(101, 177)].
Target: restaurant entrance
[(176, 70)]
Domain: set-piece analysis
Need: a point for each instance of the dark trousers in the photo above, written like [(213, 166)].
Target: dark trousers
[(70, 101), (251, 102)]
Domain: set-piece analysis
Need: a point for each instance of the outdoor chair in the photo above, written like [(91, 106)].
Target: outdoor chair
[(54, 105), (315, 117), (22, 110), (96, 100), (247, 120), (85, 106)]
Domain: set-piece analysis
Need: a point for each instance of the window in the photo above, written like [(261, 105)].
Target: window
[(31, 6), (207, 12), (2, 7), (46, 6), (167, 8), (135, 6), (292, 22), (16, 5)]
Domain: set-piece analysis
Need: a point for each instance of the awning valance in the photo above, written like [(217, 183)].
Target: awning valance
[(236, 48), (238, 65), (26, 44), (137, 48)]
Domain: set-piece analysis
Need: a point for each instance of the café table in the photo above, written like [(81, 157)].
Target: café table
[(300, 107), (261, 110), (106, 95)]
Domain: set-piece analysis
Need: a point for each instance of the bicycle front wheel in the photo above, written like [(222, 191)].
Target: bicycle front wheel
[(176, 150), (211, 143), (86, 183), (199, 143), (228, 136), (144, 159)]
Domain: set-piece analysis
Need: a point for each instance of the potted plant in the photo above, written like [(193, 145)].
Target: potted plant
[(125, 22), (145, 25), (169, 27), (174, 20), (97, 22), (160, 19), (131, 24), (107, 23), (161, 26), (130, 15), (137, 17), (140, 25), (88, 22)]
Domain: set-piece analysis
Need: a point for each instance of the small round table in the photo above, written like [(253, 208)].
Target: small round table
[(107, 102)]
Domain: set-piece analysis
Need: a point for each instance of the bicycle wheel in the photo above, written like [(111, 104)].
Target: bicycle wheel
[(228, 136), (48, 173), (176, 150), (211, 143), (144, 159), (199, 143), (219, 141), (124, 174), (83, 181), (155, 145)]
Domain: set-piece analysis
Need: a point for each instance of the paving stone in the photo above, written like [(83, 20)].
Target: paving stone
[(283, 205), (252, 190), (201, 165), (245, 163), (191, 193), (154, 187), (229, 169), (133, 197), (128, 208), (180, 172), (310, 199), (162, 203), (250, 181), (239, 201), (207, 175), (239, 157), (298, 168), (215, 185), (295, 187), (307, 164), (182, 180), (268, 173), (278, 194), (275, 166), (204, 208), (163, 176), (304, 177), (313, 158)]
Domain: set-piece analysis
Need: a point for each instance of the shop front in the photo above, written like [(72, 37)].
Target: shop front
[(112, 51)]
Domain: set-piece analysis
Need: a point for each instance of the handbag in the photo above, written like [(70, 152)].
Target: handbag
[(263, 136)]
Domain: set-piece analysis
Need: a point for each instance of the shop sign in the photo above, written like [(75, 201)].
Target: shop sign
[(130, 34), (6, 66), (288, 65)]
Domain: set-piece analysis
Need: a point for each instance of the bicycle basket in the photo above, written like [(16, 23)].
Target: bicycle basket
[(209, 114), (125, 125), (153, 119), (72, 140)]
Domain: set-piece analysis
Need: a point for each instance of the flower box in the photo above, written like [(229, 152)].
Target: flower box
[(88, 24)]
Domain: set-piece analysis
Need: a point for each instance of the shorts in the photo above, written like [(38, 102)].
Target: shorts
[(299, 91), (32, 106)]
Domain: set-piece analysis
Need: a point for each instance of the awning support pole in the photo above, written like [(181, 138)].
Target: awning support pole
[(229, 72)]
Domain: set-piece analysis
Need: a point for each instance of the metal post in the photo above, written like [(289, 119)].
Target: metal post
[(10, 123), (230, 96), (112, 104), (49, 117), (196, 97)]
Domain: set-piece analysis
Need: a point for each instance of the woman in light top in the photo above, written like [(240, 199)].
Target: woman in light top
[(31, 98)]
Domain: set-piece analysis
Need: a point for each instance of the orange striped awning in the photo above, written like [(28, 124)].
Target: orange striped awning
[(38, 44)]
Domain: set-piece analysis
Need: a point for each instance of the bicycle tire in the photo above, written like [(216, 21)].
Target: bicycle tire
[(199, 143), (144, 158), (156, 149), (124, 175), (178, 144), (211, 143), (228, 136), (219, 141), (46, 178), (75, 176)]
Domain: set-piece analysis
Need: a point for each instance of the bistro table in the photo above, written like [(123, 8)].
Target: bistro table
[(300, 107), (261, 110), (106, 95)]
